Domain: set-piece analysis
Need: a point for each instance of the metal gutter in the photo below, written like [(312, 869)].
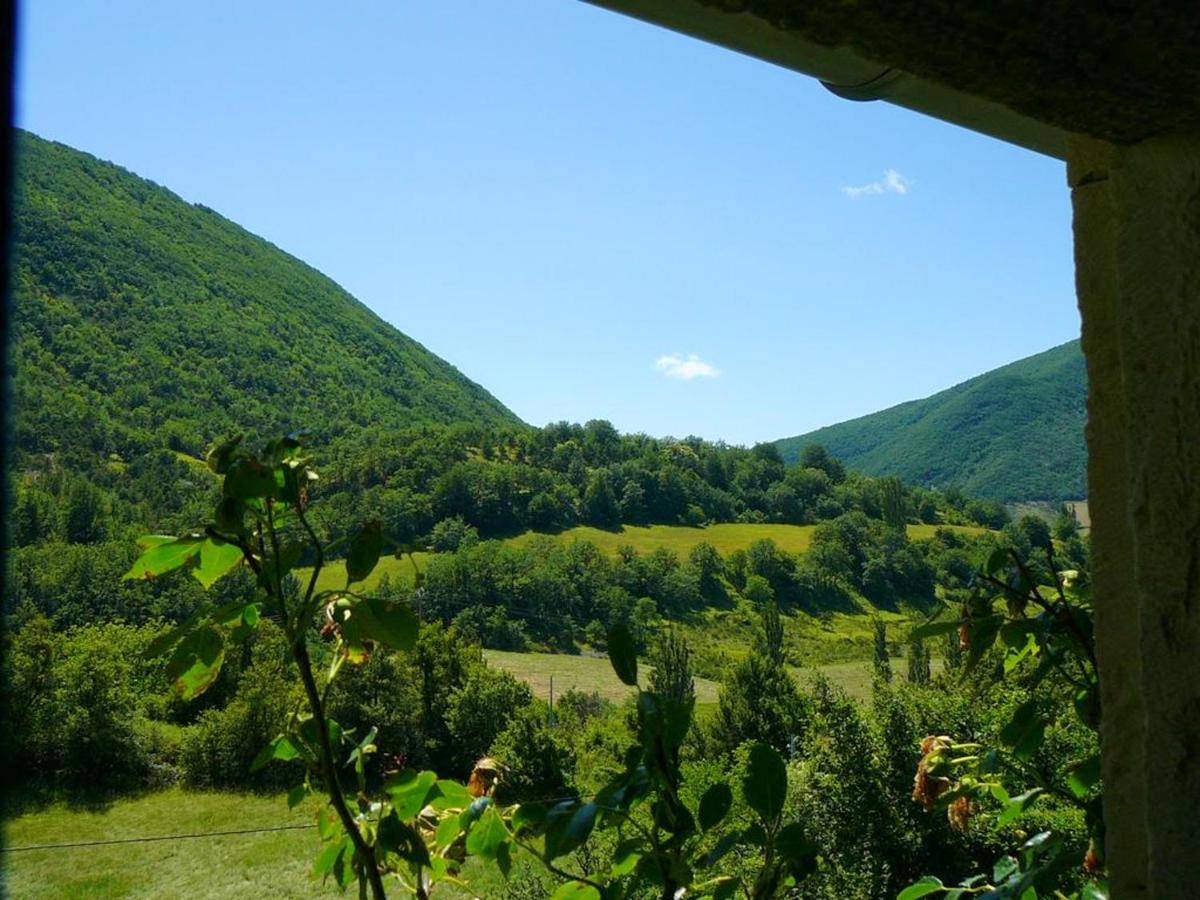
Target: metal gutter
[(843, 71)]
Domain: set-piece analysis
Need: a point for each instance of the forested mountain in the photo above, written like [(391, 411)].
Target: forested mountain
[(142, 321), (1015, 433)]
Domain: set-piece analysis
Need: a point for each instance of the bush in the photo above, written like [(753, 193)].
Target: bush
[(450, 534), (478, 711), (759, 701), (536, 767), (383, 693), (218, 750), (72, 705)]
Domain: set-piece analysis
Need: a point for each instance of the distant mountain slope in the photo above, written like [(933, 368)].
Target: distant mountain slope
[(143, 320), (1015, 433)]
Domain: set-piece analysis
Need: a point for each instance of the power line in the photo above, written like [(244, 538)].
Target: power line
[(160, 837)]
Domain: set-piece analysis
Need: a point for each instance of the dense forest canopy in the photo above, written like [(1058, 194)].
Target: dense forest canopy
[(1012, 434), (142, 322)]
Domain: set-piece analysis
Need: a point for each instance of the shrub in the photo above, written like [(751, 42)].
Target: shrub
[(536, 765), (219, 749), (72, 703), (478, 711), (451, 534)]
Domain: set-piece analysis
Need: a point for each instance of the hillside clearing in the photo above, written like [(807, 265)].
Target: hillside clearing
[(581, 673), (595, 673), (645, 539)]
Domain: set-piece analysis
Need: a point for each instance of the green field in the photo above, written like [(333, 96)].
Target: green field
[(645, 539), (398, 571), (274, 864), (583, 673), (681, 539), (230, 867), (594, 673)]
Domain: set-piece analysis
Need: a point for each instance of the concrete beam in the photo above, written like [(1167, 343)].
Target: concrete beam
[(1137, 258)]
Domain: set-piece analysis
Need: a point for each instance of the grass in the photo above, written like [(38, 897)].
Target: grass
[(397, 571), (594, 673), (274, 864), (679, 539), (583, 673)]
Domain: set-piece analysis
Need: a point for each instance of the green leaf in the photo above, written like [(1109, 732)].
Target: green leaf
[(765, 783), (325, 859), (196, 662), (328, 823), (449, 794), (410, 791), (403, 840), (150, 541), (1017, 805), (981, 633), (575, 890), (164, 555), (923, 888), (364, 551), (1024, 731), (528, 817), (714, 805), (248, 478), (1084, 776), (448, 831), (230, 515), (622, 653), (1014, 656), (217, 559), (487, 835), (568, 826), (372, 618), (281, 748), (663, 717), (471, 814), (931, 629), (296, 795), (996, 562), (625, 857), (1004, 867), (172, 636), (795, 849), (220, 456)]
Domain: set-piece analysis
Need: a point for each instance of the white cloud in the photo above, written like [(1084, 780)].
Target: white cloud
[(674, 365), (892, 182)]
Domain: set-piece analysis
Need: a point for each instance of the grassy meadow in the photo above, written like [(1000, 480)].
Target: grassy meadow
[(272, 864), (645, 539), (581, 673)]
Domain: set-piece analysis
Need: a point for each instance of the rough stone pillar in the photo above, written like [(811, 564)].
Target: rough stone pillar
[(1137, 260)]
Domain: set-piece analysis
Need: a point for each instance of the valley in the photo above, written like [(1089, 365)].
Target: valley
[(202, 419)]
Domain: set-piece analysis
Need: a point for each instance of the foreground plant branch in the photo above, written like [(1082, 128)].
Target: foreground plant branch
[(1048, 645), (416, 830)]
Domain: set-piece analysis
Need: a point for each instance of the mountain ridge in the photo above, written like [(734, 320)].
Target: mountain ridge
[(1013, 433), (135, 311)]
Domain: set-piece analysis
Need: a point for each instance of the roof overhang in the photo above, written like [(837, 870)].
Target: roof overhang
[(845, 72)]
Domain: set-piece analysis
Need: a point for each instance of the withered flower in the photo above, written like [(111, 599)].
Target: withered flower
[(927, 788), (960, 812), (483, 778)]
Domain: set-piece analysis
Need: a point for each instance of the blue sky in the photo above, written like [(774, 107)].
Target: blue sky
[(590, 216)]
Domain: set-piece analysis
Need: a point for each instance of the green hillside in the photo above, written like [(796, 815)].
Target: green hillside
[(1015, 433), (141, 319)]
